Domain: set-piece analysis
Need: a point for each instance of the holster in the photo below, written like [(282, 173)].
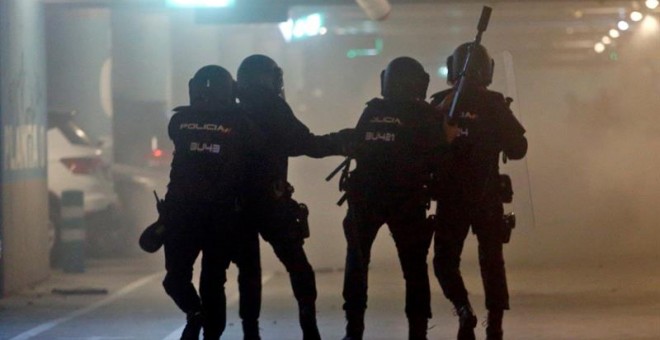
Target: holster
[(289, 219), (508, 223), (506, 196)]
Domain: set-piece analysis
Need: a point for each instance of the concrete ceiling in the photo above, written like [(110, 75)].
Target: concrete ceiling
[(546, 31), (551, 30)]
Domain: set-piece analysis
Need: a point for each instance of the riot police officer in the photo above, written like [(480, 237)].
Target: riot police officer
[(270, 208), (469, 194), (399, 137), (212, 138)]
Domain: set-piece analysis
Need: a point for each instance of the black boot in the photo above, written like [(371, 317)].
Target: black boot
[(251, 330), (467, 321), (308, 323), (194, 323), (494, 329), (417, 327), (354, 325)]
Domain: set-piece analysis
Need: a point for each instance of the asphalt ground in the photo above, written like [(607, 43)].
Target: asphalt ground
[(122, 298)]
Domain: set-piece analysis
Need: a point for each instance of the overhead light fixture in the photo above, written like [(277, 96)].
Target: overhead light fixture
[(606, 40), (599, 47), (614, 33), (636, 16), (651, 4), (303, 27), (623, 25)]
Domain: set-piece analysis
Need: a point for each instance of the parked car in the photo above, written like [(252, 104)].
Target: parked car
[(76, 161)]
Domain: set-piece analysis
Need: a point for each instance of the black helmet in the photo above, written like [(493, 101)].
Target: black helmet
[(404, 78), (481, 65), (260, 70), (212, 86)]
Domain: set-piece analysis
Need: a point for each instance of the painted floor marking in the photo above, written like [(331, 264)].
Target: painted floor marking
[(54, 323), (231, 299)]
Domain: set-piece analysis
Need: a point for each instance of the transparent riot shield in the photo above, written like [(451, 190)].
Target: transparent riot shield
[(523, 203)]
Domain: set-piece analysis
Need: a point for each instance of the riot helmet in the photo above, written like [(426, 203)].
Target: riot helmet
[(480, 71), (259, 70), (211, 86), (404, 78)]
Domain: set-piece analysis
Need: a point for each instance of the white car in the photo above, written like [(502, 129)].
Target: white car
[(77, 162)]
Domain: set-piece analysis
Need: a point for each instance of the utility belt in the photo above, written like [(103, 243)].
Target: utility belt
[(364, 188), (505, 194)]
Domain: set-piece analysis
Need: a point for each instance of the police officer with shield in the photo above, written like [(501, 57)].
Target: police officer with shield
[(212, 138), (470, 189)]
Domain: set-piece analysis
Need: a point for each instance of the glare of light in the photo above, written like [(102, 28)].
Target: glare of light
[(200, 3), (651, 4), (286, 28), (614, 33), (650, 25), (599, 47), (299, 30), (313, 24), (308, 26), (623, 25), (80, 133), (606, 40), (636, 16), (443, 72)]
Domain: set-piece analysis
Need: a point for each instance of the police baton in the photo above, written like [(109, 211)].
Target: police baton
[(334, 172)]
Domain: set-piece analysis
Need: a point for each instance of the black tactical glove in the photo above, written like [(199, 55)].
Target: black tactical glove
[(346, 139)]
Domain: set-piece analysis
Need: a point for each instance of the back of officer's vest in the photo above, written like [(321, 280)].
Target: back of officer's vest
[(396, 141), (209, 156)]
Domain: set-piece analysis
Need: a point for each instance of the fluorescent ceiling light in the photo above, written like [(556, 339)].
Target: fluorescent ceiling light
[(200, 3)]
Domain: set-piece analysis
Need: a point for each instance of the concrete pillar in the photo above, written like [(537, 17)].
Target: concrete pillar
[(140, 81), (24, 199)]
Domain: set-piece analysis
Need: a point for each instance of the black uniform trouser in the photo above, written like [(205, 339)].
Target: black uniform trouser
[(248, 261), (303, 280), (412, 237), (289, 250), (454, 221), (191, 230)]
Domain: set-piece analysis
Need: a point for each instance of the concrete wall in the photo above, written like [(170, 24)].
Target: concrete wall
[(140, 81), (23, 135)]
